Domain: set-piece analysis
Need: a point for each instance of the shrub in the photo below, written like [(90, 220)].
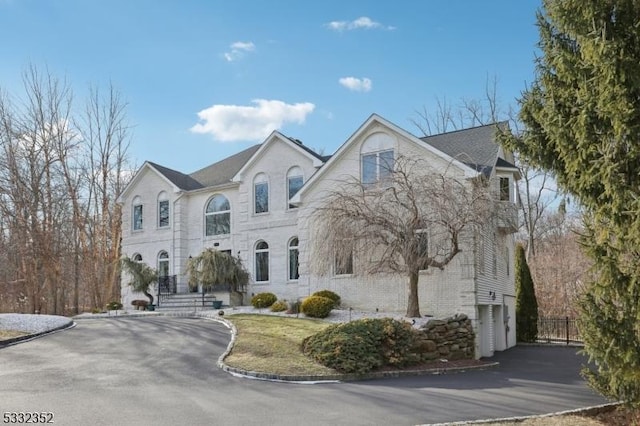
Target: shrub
[(279, 306), (316, 306), (329, 295), (363, 345), (263, 300), (140, 304), (114, 306)]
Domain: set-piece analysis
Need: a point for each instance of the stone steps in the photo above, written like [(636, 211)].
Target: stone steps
[(185, 302)]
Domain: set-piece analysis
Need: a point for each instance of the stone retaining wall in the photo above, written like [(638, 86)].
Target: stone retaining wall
[(451, 338)]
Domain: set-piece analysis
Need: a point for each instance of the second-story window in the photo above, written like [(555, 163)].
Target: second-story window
[(377, 166), (294, 183), (261, 193), (218, 216), (163, 210), (505, 189), (137, 214)]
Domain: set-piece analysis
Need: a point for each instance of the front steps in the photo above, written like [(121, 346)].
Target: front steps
[(185, 302)]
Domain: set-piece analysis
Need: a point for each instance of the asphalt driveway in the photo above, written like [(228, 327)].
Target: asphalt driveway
[(162, 371)]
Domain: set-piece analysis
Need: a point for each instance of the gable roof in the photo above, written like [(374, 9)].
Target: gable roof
[(276, 135), (180, 180), (224, 170), (476, 147)]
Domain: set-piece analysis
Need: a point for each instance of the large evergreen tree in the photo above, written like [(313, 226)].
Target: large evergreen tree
[(526, 302), (582, 122)]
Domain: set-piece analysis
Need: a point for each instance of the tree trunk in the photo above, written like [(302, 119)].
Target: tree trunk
[(413, 308)]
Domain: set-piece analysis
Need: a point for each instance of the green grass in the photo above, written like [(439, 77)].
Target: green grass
[(271, 344)]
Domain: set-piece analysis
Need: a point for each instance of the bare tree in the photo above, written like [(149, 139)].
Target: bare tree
[(55, 235), (415, 219), (537, 189)]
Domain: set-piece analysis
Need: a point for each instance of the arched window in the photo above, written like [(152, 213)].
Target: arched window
[(163, 264), (137, 213), (218, 216), (163, 210), (293, 259), (137, 257), (261, 193), (262, 261)]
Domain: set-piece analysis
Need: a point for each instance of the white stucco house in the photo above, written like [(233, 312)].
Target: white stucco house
[(257, 205)]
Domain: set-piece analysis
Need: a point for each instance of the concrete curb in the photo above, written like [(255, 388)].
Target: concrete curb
[(595, 409), (28, 337)]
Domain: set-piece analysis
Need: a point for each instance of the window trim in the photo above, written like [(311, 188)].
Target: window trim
[(348, 271), (208, 214)]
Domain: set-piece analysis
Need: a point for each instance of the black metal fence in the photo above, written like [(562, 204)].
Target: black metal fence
[(558, 330)]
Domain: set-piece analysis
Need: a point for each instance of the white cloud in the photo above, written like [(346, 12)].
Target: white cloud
[(230, 123), (238, 50), (361, 23), (356, 84)]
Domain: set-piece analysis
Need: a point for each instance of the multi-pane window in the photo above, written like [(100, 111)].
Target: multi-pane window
[(218, 216), (137, 214), (377, 166), (293, 259), (262, 261), (505, 189), (163, 211), (294, 183), (261, 193)]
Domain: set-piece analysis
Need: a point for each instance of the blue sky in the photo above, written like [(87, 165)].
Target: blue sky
[(206, 78)]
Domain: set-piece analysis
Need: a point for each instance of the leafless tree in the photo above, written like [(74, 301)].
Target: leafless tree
[(537, 189), (48, 183), (415, 219)]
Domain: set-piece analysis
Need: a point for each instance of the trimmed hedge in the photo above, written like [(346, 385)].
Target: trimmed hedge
[(363, 345), (329, 295), (263, 300), (279, 306), (316, 306)]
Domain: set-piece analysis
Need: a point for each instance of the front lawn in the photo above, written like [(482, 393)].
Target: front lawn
[(271, 344)]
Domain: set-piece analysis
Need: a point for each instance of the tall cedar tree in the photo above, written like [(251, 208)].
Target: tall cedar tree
[(526, 302), (582, 123)]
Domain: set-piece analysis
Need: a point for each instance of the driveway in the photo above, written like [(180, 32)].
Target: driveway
[(162, 371)]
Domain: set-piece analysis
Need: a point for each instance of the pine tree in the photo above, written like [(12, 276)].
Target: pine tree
[(526, 302), (582, 123)]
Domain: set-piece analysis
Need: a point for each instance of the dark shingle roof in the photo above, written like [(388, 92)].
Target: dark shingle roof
[(224, 170), (476, 147), (180, 180)]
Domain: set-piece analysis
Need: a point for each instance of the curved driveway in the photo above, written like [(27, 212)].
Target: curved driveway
[(162, 371)]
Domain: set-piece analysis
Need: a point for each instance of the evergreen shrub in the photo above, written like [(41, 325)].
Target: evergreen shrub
[(263, 300), (279, 306), (363, 345), (317, 306), (329, 295)]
